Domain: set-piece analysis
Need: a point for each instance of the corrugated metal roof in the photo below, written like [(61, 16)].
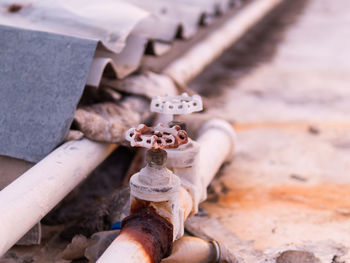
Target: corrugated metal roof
[(118, 32), (122, 27)]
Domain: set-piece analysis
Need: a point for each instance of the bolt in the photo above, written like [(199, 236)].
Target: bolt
[(156, 157)]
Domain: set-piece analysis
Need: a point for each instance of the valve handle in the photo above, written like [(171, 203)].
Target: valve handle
[(158, 137), (182, 104)]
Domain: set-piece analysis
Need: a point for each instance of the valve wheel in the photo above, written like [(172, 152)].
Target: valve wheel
[(182, 104), (158, 137)]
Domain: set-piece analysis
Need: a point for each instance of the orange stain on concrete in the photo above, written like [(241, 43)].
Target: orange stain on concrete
[(323, 196), (291, 125)]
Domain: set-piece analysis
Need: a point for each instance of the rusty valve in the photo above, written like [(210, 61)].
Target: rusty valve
[(158, 137)]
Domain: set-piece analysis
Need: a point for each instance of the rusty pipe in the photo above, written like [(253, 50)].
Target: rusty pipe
[(146, 237)]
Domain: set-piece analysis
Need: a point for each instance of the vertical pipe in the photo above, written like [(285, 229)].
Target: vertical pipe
[(25, 201), (217, 139)]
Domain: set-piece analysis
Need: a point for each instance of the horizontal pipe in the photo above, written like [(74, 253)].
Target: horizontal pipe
[(192, 250), (125, 249), (25, 201), (197, 58)]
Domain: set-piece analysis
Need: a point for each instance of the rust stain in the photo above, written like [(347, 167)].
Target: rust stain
[(291, 125), (14, 8), (151, 231), (331, 197), (139, 205)]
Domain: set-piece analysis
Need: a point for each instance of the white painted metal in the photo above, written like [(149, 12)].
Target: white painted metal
[(182, 104), (24, 202)]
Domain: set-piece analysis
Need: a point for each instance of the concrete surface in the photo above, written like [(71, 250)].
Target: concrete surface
[(288, 187)]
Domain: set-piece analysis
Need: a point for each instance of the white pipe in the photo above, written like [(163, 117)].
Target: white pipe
[(217, 140), (191, 250), (25, 201), (196, 59), (124, 249)]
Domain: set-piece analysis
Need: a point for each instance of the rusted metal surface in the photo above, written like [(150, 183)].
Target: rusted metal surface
[(150, 230), (158, 137), (13, 8)]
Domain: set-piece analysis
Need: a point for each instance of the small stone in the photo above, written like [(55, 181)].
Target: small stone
[(76, 248), (314, 130), (295, 256), (298, 177), (14, 8)]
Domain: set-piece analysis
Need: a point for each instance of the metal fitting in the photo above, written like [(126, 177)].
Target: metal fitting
[(155, 186)]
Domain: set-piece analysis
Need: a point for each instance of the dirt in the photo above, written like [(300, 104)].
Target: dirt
[(257, 47)]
